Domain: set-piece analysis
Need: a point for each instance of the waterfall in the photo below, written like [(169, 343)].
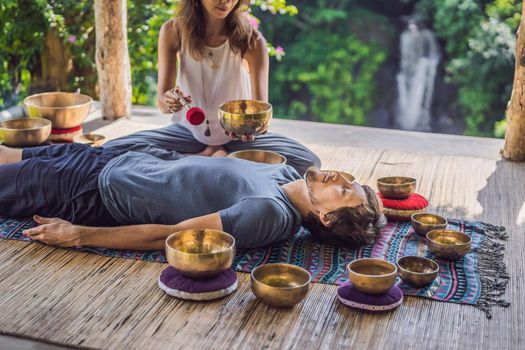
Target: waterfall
[(415, 81)]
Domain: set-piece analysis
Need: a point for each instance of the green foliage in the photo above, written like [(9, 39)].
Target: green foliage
[(19, 46), (328, 74), (331, 85), (480, 46), (145, 17), (22, 41), (26, 23)]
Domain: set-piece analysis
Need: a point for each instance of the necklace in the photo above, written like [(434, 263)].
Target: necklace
[(214, 64)]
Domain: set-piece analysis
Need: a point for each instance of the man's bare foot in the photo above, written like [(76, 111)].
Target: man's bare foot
[(10, 155)]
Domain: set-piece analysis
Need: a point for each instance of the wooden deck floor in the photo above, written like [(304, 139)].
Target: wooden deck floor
[(87, 300)]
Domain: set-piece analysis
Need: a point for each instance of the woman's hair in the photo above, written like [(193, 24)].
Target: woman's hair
[(350, 227), (192, 27)]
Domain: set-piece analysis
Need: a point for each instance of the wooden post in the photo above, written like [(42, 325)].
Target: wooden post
[(514, 148), (114, 74)]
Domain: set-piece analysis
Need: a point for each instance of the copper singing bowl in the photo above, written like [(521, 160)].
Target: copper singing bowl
[(94, 140), (64, 109), (426, 222), (25, 132), (448, 244), (372, 276), (396, 187), (259, 156), (200, 253), (241, 117), (417, 271), (280, 285)]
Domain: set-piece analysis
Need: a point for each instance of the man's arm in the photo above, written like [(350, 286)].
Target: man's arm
[(58, 232)]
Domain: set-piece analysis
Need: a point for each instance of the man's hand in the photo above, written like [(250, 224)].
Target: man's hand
[(55, 232)]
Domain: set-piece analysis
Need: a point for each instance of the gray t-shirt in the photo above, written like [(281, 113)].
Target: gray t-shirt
[(138, 188)]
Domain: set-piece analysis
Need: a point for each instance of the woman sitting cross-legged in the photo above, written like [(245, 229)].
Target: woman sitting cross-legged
[(129, 200), (213, 55)]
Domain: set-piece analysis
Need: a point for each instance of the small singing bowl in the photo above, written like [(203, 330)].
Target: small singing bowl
[(426, 222), (200, 253), (244, 117), (417, 271), (448, 244), (347, 176), (396, 187), (259, 156), (24, 132), (94, 140), (64, 109), (280, 285), (372, 276)]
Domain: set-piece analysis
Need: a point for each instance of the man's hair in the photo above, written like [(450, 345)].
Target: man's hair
[(350, 226)]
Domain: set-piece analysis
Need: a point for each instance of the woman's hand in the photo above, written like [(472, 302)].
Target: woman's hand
[(243, 137), (55, 232), (176, 100)]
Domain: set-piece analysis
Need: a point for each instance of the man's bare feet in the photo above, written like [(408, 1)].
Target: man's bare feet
[(10, 155)]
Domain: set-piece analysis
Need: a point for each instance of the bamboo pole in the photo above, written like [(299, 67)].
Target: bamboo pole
[(514, 149), (113, 66)]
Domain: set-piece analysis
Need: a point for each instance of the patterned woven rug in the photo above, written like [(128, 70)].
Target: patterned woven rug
[(479, 279)]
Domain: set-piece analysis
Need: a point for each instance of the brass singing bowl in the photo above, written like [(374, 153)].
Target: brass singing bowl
[(417, 271), (259, 156), (200, 253), (396, 187), (64, 109), (241, 117), (448, 244), (426, 222), (94, 140), (24, 132), (372, 276), (280, 285), (347, 176)]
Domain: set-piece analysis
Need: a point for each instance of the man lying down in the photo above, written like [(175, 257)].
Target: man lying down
[(100, 197)]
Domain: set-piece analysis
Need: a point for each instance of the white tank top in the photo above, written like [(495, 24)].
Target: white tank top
[(209, 87)]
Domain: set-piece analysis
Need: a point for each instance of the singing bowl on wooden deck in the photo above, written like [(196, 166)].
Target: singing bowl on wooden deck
[(24, 132), (371, 275), (200, 253), (65, 109), (396, 187), (241, 117), (280, 285), (426, 222), (259, 156), (448, 244), (417, 271)]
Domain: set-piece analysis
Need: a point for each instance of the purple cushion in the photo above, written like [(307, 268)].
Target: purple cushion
[(175, 284), (350, 296)]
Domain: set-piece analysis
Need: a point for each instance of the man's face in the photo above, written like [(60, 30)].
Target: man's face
[(330, 190), (219, 8)]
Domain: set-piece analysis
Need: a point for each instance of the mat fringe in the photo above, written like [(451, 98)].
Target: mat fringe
[(492, 269)]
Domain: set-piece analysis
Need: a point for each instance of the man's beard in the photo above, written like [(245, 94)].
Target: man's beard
[(307, 179)]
